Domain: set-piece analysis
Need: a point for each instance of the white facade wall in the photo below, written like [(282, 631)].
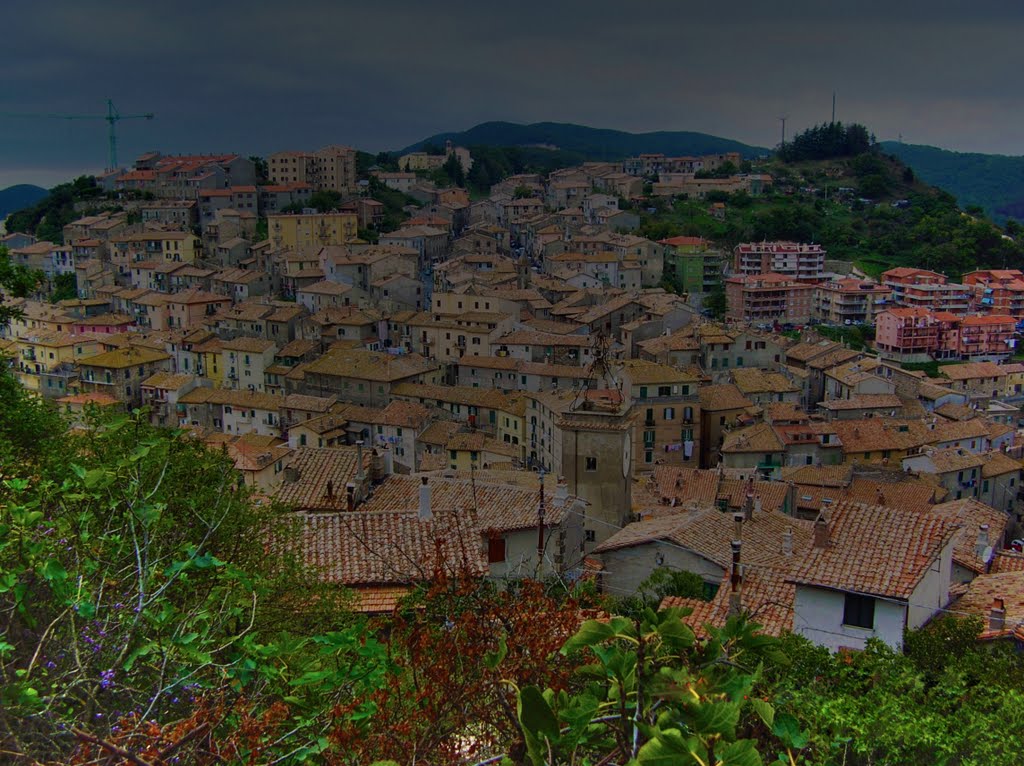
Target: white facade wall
[(626, 568), (818, 617), (932, 593), (243, 420)]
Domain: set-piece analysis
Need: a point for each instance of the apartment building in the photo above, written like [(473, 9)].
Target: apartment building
[(998, 291), (332, 168), (849, 301), (768, 298), (916, 334), (920, 288), (306, 233), (693, 264), (797, 260)]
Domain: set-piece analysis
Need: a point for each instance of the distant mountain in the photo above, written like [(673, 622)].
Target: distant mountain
[(594, 143), (21, 196), (994, 182)]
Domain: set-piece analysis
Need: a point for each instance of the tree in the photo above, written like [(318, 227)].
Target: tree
[(145, 598), (261, 168), (716, 302), (16, 281), (453, 170), (65, 287), (325, 200)]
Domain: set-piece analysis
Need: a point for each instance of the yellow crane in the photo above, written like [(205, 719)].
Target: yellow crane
[(112, 117)]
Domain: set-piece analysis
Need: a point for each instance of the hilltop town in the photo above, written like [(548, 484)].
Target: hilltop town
[(524, 362)]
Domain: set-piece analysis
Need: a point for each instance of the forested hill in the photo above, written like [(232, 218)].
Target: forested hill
[(593, 143), (993, 182)]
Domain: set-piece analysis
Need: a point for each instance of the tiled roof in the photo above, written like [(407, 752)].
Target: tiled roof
[(393, 547), (1007, 561), (971, 514), (754, 381), (374, 366), (438, 433), (756, 438), (766, 597), (467, 395), (643, 372), (722, 397), (308, 403), (498, 506), (256, 400), (875, 550), (167, 381), (819, 475), (972, 370), (124, 357), (998, 463), (863, 402), (316, 467), (984, 589), (251, 345)]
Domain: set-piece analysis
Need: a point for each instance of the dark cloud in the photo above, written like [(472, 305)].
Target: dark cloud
[(227, 75)]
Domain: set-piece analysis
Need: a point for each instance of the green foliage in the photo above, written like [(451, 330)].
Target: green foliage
[(949, 700), (716, 302), (658, 585), (262, 229), (650, 693), (16, 281), (493, 164), (47, 218), (261, 167), (140, 583), (325, 201), (65, 287), (858, 337), (825, 141)]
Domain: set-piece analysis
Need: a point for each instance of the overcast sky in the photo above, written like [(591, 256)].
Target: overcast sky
[(226, 75)]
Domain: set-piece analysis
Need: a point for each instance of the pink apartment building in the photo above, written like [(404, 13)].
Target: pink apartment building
[(915, 333), (920, 288)]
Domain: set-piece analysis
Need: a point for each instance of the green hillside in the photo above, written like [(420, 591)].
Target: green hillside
[(870, 209), (593, 143), (993, 182)]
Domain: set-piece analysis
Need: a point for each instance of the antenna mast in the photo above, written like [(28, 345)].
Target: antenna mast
[(833, 107), (783, 121)]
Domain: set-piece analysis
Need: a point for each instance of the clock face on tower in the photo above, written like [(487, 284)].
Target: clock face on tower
[(627, 454)]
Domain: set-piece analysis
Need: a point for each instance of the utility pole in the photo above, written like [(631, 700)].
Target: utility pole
[(833, 107), (783, 121), (540, 526)]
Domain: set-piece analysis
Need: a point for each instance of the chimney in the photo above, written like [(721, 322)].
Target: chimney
[(330, 490), (388, 460), (821, 532), (982, 544), (561, 494), (879, 497), (360, 475), (787, 542), (997, 616), (291, 475), (350, 492), (738, 522), (736, 581), (425, 513)]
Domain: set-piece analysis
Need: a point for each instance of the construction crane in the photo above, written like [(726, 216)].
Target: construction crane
[(112, 117)]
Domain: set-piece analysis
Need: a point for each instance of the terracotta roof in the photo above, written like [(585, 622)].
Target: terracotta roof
[(1007, 561), (643, 372), (393, 547), (167, 381), (754, 381), (983, 590), (124, 357), (819, 475), (863, 402), (756, 438), (498, 506), (971, 515), (722, 397), (308, 403), (998, 463), (316, 468), (374, 366), (875, 550), (766, 597), (251, 345)]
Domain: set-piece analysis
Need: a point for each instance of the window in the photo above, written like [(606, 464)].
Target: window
[(643, 392), (591, 464), (591, 536), (739, 361), (669, 413), (495, 550), (859, 611), (664, 391)]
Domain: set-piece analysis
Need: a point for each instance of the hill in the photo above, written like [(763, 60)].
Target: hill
[(592, 143), (993, 182), (21, 196), (871, 210)]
